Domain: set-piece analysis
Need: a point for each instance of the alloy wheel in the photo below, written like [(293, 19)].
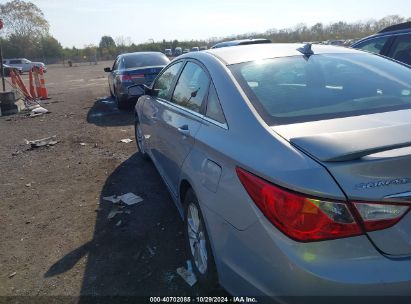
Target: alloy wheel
[(139, 139), (197, 238)]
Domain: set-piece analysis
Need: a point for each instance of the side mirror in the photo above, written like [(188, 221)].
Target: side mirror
[(138, 90), (108, 70)]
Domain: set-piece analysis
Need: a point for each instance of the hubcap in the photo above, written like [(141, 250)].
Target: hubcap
[(139, 137), (196, 237)]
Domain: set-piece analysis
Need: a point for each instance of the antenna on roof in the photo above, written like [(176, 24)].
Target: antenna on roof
[(306, 50)]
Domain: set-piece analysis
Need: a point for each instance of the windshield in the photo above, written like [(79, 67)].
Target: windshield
[(142, 60), (297, 89)]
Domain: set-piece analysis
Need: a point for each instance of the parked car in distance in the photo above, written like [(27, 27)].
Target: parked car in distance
[(290, 165), (241, 42), (168, 52), (195, 49), (25, 64), (203, 48), (8, 68), (393, 42), (133, 68), (335, 42), (186, 51), (178, 51)]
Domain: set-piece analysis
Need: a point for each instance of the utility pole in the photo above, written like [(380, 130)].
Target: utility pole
[(1, 61)]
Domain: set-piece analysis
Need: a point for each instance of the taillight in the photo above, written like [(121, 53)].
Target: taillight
[(137, 76), (301, 218), (130, 77), (308, 219), (125, 78), (377, 216)]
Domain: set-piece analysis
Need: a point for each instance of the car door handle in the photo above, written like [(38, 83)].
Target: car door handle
[(184, 130)]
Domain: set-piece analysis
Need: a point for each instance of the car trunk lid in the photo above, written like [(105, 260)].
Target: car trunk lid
[(145, 75), (370, 158)]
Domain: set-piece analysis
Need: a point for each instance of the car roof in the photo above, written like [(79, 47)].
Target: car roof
[(141, 53), (396, 29), (252, 52), (240, 42)]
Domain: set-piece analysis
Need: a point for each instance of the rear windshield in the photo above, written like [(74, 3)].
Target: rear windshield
[(296, 89), (254, 42), (142, 60)]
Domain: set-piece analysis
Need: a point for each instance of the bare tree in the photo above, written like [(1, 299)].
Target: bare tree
[(23, 19), (123, 43), (24, 26)]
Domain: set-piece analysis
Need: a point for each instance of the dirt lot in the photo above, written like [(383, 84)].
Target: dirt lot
[(56, 239)]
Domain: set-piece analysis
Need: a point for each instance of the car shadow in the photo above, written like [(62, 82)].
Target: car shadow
[(135, 253), (104, 113)]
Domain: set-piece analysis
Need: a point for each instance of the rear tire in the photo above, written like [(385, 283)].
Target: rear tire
[(121, 105), (140, 140), (198, 243), (120, 102)]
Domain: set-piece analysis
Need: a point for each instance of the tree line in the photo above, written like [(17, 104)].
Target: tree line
[(26, 34)]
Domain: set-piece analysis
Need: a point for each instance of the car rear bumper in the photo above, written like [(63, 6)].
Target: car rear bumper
[(127, 101), (123, 93), (261, 261)]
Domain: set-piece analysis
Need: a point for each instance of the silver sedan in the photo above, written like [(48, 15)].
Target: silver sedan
[(290, 165)]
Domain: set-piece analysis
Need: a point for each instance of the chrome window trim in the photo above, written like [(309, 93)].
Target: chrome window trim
[(193, 113), (215, 122), (382, 36)]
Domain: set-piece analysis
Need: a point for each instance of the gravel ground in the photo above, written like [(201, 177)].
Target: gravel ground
[(56, 238)]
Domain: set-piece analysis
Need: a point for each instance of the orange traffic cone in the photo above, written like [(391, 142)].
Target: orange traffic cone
[(13, 79), (32, 90), (43, 90), (37, 81)]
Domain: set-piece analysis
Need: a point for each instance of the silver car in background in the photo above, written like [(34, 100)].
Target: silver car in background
[(290, 164), (24, 64)]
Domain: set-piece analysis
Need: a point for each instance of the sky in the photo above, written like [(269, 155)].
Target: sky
[(83, 22)]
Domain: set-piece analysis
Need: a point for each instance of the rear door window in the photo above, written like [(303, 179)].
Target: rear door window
[(164, 82), (401, 49), (15, 62), (191, 88), (115, 66), (373, 45), (121, 64), (214, 110)]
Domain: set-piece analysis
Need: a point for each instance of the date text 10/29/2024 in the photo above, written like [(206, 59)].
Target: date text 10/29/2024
[(203, 300)]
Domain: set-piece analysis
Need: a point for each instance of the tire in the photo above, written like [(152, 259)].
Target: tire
[(198, 244), (139, 141), (121, 105), (120, 102)]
